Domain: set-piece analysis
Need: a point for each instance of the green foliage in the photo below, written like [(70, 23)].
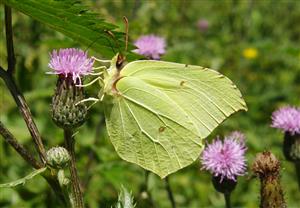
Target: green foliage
[(74, 20), (163, 110), (23, 180)]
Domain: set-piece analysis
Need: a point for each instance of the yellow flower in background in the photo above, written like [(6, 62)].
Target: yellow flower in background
[(250, 53)]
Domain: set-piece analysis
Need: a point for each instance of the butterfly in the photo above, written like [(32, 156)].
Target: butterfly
[(160, 112)]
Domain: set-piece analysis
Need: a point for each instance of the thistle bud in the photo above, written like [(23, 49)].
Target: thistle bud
[(67, 112), (267, 167), (58, 157)]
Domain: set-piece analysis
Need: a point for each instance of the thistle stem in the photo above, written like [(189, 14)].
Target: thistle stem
[(170, 192), (27, 156), (57, 188), (17, 95), (227, 200), (70, 146), (25, 111), (9, 41), (7, 76)]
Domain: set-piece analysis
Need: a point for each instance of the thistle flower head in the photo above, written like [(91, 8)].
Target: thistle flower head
[(237, 135), (287, 119), (202, 25), (150, 46), (70, 62), (226, 159)]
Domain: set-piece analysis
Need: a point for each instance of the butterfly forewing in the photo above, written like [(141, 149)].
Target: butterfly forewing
[(206, 96)]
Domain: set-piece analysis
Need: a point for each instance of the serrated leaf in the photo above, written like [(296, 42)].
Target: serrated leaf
[(23, 180), (74, 20)]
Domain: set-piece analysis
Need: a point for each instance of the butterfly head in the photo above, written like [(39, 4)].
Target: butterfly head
[(118, 61)]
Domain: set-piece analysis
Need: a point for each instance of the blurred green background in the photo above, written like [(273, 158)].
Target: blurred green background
[(256, 43)]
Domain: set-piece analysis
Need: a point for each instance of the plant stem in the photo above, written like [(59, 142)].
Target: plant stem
[(9, 41), (10, 139), (70, 146), (170, 193), (227, 200), (297, 167), (9, 81), (52, 180), (25, 111), (27, 156)]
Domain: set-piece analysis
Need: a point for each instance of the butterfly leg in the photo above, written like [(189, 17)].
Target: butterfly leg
[(101, 94), (92, 82), (96, 74), (101, 68), (99, 60), (95, 100), (92, 104)]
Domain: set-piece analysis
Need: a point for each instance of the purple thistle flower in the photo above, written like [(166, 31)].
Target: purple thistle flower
[(237, 135), (70, 62), (150, 46), (287, 119), (226, 159), (202, 25)]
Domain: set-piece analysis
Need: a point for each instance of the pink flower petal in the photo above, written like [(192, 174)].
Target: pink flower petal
[(150, 46), (226, 158), (287, 119), (70, 62)]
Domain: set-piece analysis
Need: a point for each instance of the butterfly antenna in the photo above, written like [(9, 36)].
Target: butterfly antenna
[(126, 32), (94, 41), (109, 33)]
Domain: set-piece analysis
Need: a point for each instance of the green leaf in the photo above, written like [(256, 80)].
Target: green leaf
[(74, 20), (162, 111), (23, 180), (125, 199)]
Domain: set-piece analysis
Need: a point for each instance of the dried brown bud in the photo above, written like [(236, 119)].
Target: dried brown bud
[(267, 167), (265, 164)]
